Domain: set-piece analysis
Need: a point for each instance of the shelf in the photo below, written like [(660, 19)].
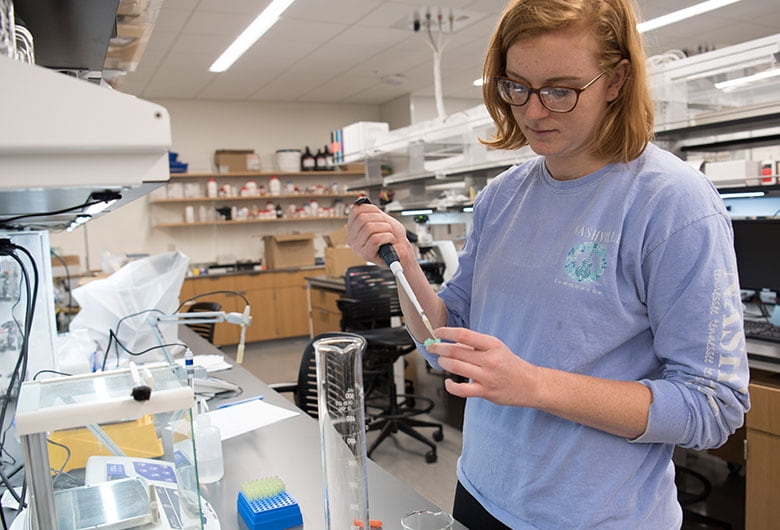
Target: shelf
[(768, 189), (250, 221), (269, 174), (292, 196)]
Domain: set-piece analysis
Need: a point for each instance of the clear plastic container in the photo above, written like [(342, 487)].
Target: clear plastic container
[(208, 451)]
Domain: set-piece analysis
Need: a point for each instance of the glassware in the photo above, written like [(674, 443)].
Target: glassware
[(426, 520), (25, 51), (342, 430)]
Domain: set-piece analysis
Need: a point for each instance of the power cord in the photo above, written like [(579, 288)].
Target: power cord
[(16, 252)]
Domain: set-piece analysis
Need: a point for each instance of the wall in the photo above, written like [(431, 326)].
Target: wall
[(424, 108), (198, 129)]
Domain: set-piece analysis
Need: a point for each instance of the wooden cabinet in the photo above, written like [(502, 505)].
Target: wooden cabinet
[(325, 314), (277, 300), (259, 291), (290, 304), (762, 509)]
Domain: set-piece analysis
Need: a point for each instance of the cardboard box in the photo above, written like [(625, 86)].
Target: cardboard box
[(234, 159), (339, 259), (71, 266), (284, 251), (337, 238), (338, 256)]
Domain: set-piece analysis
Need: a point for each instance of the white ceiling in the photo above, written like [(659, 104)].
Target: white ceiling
[(364, 51)]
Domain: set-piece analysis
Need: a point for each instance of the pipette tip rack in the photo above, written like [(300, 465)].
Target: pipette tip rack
[(276, 512)]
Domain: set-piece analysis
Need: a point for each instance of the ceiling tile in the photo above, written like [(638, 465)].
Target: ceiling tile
[(359, 50)]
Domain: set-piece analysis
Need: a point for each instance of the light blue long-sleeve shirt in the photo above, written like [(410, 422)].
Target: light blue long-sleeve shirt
[(625, 274)]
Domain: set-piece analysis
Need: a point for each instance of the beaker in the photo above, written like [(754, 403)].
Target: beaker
[(342, 430), (426, 520)]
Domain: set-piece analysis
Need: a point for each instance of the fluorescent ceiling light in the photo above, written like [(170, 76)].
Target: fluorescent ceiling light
[(665, 20), (682, 14), (250, 35), (421, 211), (731, 84), (742, 195)]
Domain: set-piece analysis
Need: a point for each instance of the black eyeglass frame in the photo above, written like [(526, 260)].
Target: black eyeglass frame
[(538, 91)]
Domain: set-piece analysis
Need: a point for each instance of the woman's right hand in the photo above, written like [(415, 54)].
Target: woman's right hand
[(368, 228)]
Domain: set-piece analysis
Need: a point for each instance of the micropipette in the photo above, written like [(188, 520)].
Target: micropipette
[(390, 257)]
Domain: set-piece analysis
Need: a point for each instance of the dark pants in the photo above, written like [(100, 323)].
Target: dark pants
[(469, 512)]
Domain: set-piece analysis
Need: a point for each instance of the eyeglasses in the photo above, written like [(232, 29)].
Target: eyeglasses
[(554, 98)]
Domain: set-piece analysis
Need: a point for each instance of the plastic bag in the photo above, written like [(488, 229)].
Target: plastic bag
[(124, 302), (76, 352)]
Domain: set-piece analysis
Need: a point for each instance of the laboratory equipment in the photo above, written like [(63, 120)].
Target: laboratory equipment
[(342, 430), (79, 433), (243, 319), (442, 251), (758, 254), (24, 257), (264, 504), (426, 520), (388, 254)]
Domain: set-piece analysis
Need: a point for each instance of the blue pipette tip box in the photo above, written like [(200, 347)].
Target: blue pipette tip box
[(271, 513)]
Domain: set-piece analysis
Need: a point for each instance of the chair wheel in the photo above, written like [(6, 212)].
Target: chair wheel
[(430, 457), (438, 436)]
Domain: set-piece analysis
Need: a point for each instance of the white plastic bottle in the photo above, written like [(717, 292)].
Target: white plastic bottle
[(275, 186), (208, 449), (211, 188)]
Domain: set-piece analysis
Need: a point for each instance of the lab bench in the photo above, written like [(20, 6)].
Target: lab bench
[(290, 449)]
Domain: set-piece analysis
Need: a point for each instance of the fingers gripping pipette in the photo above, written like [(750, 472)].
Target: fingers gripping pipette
[(390, 257)]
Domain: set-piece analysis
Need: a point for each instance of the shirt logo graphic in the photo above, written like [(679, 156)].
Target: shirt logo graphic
[(586, 262)]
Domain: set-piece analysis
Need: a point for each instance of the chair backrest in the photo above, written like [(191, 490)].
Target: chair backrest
[(305, 393), (204, 329), (371, 298)]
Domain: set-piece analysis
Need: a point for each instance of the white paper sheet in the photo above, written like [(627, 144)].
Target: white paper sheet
[(247, 416)]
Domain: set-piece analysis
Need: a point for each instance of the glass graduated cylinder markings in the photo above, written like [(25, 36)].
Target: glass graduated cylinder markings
[(342, 430)]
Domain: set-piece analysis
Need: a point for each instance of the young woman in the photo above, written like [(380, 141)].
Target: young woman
[(596, 312)]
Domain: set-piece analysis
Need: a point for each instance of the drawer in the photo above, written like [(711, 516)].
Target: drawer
[(290, 279), (248, 282), (764, 413), (325, 299), (323, 321)]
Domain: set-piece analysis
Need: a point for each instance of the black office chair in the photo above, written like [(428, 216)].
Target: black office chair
[(369, 304), (692, 488), (304, 390), (204, 329)]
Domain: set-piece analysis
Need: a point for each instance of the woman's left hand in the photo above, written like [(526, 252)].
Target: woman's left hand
[(495, 373)]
